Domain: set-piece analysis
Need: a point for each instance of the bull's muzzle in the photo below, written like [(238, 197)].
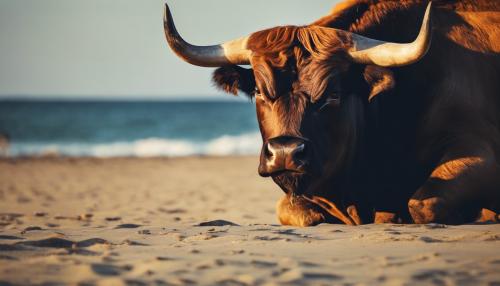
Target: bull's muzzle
[(285, 154)]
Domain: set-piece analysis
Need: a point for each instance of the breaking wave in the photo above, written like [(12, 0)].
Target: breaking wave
[(245, 144)]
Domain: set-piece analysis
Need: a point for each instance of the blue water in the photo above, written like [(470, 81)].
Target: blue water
[(86, 128)]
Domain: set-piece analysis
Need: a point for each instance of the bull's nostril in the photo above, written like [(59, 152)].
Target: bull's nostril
[(300, 151), (267, 151)]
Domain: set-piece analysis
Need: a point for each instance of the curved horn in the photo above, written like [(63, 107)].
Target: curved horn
[(232, 52), (387, 54)]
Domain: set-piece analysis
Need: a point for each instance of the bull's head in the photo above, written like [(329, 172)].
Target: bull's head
[(308, 83)]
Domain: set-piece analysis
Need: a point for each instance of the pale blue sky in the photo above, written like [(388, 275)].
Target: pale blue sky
[(116, 48)]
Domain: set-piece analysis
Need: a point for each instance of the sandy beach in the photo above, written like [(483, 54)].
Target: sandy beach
[(206, 221)]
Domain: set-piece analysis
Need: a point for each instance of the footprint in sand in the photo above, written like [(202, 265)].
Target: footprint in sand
[(56, 242), (291, 232), (309, 264), (31, 228), (172, 211), (164, 258), (60, 217), (127, 225), (52, 225), (427, 239), (53, 242), (218, 223), (263, 264), (321, 276), (270, 238), (434, 275), (91, 242), (109, 269)]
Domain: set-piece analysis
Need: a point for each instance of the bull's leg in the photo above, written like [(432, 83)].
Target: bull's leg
[(386, 217), (296, 211), (349, 217), (488, 216), (456, 191)]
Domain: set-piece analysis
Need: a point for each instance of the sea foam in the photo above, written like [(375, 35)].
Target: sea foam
[(245, 144)]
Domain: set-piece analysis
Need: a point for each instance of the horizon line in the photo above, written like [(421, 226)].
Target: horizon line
[(214, 98)]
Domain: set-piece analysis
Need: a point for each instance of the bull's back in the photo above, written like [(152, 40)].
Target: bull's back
[(466, 37), (478, 31), (474, 24)]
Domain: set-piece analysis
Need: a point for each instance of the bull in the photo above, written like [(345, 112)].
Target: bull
[(373, 113)]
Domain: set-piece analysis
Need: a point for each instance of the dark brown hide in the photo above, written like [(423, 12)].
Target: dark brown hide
[(418, 143)]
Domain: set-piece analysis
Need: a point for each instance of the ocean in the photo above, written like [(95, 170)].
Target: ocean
[(130, 128)]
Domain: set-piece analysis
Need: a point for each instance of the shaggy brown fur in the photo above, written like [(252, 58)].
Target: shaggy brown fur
[(387, 157)]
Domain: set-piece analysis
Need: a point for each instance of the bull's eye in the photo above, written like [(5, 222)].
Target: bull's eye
[(256, 90), (330, 102)]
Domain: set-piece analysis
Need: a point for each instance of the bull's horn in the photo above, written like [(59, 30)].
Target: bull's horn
[(232, 52), (387, 54)]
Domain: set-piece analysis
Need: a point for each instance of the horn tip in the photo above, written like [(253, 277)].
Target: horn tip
[(428, 9), (426, 22), (167, 15)]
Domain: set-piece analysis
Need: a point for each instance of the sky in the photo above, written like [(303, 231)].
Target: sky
[(116, 48)]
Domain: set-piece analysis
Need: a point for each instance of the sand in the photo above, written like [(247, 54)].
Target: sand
[(206, 221)]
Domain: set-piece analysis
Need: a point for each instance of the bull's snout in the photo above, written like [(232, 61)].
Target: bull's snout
[(284, 154)]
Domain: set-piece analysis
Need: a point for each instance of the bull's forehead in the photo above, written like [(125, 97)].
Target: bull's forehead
[(297, 72), (282, 116)]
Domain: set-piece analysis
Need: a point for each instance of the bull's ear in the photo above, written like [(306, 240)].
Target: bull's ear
[(379, 80), (230, 79)]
